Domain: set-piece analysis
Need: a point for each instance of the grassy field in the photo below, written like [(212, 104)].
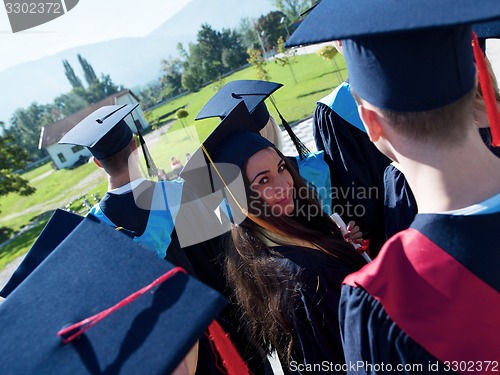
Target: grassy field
[(315, 78), (57, 189)]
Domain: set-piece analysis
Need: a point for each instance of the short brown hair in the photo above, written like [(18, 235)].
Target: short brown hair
[(117, 162), (441, 125)]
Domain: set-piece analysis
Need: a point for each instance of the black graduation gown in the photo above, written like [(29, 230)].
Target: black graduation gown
[(400, 206), (431, 297), (123, 211), (356, 166), (316, 332), (205, 260)]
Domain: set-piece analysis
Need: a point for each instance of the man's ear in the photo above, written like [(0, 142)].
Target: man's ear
[(371, 120), (96, 162)]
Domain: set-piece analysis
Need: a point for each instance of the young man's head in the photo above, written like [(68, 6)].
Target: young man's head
[(104, 132), (119, 161), (410, 63), (421, 84), (444, 126)]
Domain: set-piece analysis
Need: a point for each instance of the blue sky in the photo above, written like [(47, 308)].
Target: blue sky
[(86, 23)]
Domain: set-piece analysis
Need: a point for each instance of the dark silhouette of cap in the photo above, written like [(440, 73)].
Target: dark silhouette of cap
[(252, 92), (93, 269), (486, 30), (104, 132), (406, 56), (229, 146)]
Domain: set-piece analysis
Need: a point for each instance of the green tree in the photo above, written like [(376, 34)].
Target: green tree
[(192, 75), (26, 126), (150, 96), (101, 89), (248, 37), (286, 58), (172, 75), (293, 8), (70, 74), (182, 52), (214, 54), (209, 53), (259, 64), (80, 97), (12, 158), (233, 53), (329, 53), (271, 28), (181, 114), (71, 102), (88, 70)]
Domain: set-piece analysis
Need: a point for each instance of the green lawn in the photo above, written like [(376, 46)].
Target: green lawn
[(22, 243), (315, 79), (52, 191), (38, 171)]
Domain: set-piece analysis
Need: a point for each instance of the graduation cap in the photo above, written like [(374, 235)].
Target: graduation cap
[(253, 93), (104, 132), (485, 31), (144, 314), (406, 56), (341, 19), (214, 170)]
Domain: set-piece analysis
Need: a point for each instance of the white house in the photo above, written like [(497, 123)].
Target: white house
[(64, 156)]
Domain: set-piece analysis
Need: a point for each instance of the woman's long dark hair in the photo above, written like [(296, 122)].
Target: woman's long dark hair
[(264, 288)]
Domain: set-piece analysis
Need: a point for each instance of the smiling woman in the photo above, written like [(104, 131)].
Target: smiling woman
[(271, 181), (287, 258), (287, 262)]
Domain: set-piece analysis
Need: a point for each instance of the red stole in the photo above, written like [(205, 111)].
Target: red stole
[(434, 299)]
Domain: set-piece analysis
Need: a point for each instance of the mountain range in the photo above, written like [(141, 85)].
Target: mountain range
[(132, 62)]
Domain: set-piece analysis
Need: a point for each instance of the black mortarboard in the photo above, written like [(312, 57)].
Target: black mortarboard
[(486, 30), (93, 269), (58, 227), (215, 173), (103, 132), (252, 92), (402, 55)]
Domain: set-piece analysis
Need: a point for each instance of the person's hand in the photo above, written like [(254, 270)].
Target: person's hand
[(353, 233)]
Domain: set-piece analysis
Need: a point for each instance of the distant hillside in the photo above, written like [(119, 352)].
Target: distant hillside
[(129, 61), (217, 13)]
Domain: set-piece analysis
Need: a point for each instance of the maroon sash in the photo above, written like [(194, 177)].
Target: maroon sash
[(434, 299)]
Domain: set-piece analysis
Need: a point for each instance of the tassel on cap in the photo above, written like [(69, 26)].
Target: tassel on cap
[(299, 145)]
